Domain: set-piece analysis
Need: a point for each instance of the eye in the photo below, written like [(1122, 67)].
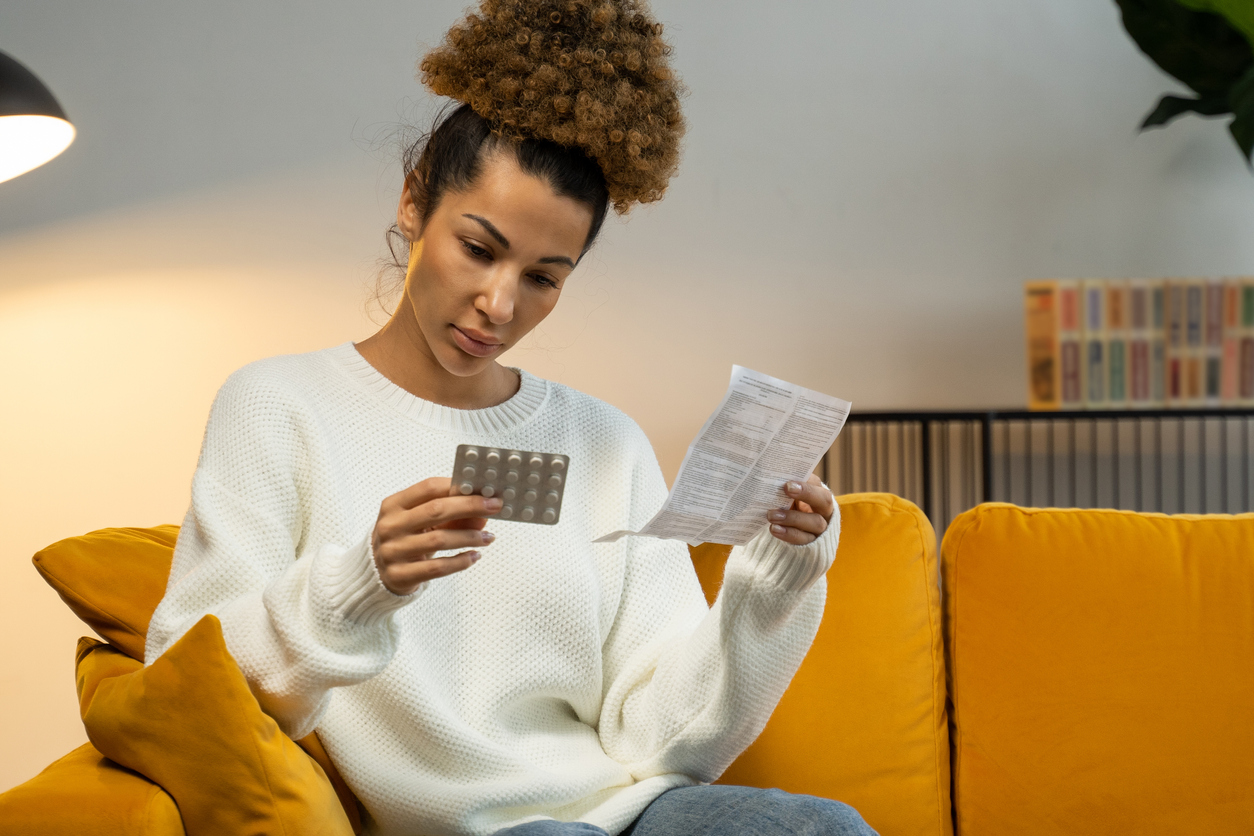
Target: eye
[(543, 280), (476, 250)]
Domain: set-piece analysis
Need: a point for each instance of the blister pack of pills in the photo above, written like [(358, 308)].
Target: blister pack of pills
[(530, 484)]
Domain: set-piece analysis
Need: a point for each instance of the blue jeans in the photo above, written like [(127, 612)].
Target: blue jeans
[(717, 810)]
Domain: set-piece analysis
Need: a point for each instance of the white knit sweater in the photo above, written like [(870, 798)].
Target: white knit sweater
[(554, 678)]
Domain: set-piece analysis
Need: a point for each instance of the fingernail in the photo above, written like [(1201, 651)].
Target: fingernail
[(794, 487), (493, 504), (777, 516), (488, 536), (777, 529), (474, 557)]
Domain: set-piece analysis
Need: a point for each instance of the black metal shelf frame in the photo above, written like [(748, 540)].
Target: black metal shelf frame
[(1175, 461)]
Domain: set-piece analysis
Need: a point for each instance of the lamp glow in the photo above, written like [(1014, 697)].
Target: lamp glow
[(33, 127), (28, 142)]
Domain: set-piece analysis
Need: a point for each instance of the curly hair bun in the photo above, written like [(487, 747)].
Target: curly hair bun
[(585, 73)]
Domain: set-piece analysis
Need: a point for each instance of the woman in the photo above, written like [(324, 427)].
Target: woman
[(558, 686)]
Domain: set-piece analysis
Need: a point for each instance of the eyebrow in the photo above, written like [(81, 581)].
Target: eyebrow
[(504, 242), (491, 228)]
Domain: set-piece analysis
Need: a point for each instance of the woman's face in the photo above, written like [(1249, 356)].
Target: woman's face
[(492, 265)]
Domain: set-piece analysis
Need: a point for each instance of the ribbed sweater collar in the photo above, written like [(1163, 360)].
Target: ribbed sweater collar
[(525, 403)]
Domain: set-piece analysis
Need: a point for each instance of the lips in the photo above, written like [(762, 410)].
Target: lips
[(475, 343)]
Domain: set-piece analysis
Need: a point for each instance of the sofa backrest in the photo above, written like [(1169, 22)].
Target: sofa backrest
[(864, 719), (863, 722), (1101, 671)]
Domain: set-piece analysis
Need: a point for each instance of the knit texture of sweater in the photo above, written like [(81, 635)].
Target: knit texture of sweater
[(554, 678)]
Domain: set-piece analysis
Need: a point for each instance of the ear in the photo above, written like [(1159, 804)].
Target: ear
[(408, 218)]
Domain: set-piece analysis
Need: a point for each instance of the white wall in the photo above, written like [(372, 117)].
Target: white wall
[(864, 189)]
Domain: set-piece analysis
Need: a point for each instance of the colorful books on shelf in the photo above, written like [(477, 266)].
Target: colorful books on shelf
[(1140, 343)]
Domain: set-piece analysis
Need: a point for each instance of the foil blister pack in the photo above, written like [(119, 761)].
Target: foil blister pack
[(529, 483)]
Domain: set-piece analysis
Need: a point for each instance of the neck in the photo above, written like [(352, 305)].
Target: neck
[(400, 352)]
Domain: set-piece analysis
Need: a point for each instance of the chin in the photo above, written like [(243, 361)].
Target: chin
[(461, 364)]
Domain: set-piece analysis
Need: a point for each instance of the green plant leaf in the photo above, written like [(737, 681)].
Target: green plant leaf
[(1241, 100), (1240, 13), (1200, 48), (1169, 107)]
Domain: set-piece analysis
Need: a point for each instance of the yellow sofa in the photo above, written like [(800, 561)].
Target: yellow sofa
[(1084, 672)]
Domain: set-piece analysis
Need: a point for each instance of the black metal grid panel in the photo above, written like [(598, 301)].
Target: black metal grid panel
[(1173, 461)]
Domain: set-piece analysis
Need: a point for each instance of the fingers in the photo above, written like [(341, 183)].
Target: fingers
[(423, 491), (439, 511), (476, 523), (405, 562), (423, 519), (412, 548), (807, 518), (796, 518), (795, 536), (404, 578), (449, 508), (796, 526), (812, 493)]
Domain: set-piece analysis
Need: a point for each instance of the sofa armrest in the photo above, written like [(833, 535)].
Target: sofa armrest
[(86, 794)]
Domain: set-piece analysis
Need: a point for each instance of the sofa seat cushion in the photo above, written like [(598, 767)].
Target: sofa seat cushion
[(1101, 671), (864, 720), (86, 794)]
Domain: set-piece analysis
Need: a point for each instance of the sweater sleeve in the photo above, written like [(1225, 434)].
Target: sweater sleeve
[(688, 688), (299, 617)]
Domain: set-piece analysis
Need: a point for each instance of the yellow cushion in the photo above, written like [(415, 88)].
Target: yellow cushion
[(113, 579), (189, 723), (85, 794), (1102, 668), (864, 719)]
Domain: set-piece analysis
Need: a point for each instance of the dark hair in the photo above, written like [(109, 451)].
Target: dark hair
[(450, 158), (591, 74)]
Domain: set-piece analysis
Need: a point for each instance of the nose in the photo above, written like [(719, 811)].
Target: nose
[(496, 298)]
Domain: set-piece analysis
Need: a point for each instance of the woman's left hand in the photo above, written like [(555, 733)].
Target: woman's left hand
[(808, 515)]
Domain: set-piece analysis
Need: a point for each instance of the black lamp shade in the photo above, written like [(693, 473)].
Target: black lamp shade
[(33, 127), (21, 93)]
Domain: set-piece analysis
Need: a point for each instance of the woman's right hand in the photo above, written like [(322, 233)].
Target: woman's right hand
[(422, 520)]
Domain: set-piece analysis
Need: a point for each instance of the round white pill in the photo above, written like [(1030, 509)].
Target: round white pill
[(514, 460), (490, 474), (466, 488), (554, 480), (549, 515), (556, 463), (533, 478), (506, 512), (551, 497), (469, 471), (512, 476), (492, 457), (535, 461), (508, 494), (472, 455), (529, 496), (488, 490), (527, 513)]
